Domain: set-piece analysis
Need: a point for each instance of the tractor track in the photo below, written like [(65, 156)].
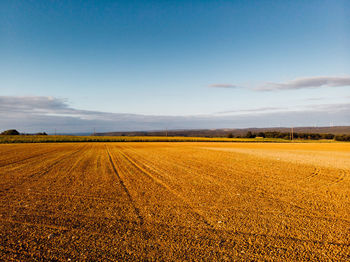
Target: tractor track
[(315, 173), (158, 181), (342, 176), (125, 189)]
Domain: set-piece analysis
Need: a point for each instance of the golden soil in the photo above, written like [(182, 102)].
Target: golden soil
[(175, 201)]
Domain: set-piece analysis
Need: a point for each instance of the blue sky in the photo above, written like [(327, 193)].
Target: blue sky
[(183, 59)]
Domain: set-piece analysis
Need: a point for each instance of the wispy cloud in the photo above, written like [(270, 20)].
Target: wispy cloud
[(307, 82), (299, 83), (253, 110), (314, 98), (223, 86), (33, 114)]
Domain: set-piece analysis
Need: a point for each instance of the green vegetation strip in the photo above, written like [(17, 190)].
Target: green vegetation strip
[(57, 139)]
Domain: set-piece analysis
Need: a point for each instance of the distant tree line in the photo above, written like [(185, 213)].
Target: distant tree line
[(284, 135), (342, 138), (249, 134), (14, 132)]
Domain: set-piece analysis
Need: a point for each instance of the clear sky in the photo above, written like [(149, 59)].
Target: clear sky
[(177, 64)]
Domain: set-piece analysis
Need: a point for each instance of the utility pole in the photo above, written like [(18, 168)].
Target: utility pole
[(166, 131), (94, 131), (292, 133)]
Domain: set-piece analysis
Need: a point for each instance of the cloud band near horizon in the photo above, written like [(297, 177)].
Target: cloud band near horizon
[(39, 113)]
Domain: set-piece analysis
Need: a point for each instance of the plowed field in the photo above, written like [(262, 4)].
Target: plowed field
[(175, 201)]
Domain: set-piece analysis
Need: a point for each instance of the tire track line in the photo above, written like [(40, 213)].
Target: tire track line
[(216, 179), (125, 189), (199, 216), (342, 176), (213, 179), (315, 173)]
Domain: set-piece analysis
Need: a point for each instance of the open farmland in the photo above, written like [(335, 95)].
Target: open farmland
[(176, 201)]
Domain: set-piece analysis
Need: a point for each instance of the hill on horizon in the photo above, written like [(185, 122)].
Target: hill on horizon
[(336, 130)]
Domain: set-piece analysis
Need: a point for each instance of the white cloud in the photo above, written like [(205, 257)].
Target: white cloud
[(307, 82), (299, 83)]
